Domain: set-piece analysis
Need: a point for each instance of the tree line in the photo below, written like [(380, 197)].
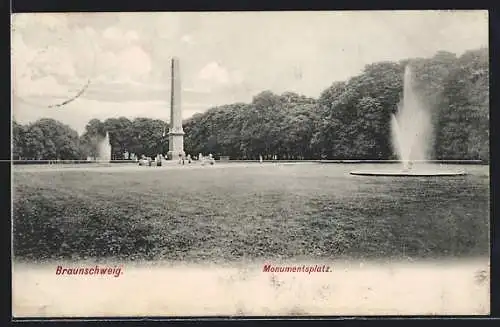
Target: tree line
[(349, 120), (49, 139)]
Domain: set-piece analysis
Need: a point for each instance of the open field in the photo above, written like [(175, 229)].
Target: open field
[(250, 211)]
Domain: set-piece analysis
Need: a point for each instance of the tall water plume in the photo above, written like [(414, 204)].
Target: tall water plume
[(411, 126), (104, 149)]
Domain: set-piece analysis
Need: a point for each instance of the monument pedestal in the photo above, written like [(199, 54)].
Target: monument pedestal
[(175, 145), (172, 155)]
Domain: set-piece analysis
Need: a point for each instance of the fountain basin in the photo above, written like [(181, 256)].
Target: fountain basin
[(409, 173)]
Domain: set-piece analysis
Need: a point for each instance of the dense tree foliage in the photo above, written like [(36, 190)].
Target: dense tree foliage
[(349, 120), (45, 139)]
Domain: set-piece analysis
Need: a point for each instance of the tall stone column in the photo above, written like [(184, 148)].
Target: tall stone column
[(176, 133)]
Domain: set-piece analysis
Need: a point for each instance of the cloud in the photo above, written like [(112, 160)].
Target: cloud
[(167, 26), (118, 76), (21, 55), (39, 20), (187, 39), (112, 33), (134, 60), (132, 35), (53, 21), (52, 64), (116, 34), (35, 73), (213, 72), (62, 66), (214, 76), (47, 87), (125, 65), (79, 53)]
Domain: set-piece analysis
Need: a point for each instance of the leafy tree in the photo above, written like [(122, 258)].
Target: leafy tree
[(118, 129), (145, 137), (18, 141), (52, 140)]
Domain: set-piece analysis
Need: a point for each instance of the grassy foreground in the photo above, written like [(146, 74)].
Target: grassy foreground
[(263, 211)]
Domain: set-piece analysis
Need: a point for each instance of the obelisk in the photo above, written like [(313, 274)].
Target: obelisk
[(176, 133)]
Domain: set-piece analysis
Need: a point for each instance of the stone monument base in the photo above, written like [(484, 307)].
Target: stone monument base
[(174, 155)]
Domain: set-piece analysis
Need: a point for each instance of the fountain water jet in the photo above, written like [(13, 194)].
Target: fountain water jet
[(411, 126), (104, 150), (411, 132)]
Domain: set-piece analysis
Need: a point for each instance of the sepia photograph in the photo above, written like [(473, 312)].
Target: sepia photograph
[(250, 164)]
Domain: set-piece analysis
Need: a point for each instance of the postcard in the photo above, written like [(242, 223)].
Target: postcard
[(250, 163)]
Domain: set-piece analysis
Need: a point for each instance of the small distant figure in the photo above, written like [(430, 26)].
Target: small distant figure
[(189, 158), (142, 160), (211, 160), (260, 159), (180, 158)]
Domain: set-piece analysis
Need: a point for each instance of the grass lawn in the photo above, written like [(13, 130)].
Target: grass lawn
[(260, 211)]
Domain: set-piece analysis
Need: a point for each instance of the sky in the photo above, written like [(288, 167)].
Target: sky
[(225, 57)]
